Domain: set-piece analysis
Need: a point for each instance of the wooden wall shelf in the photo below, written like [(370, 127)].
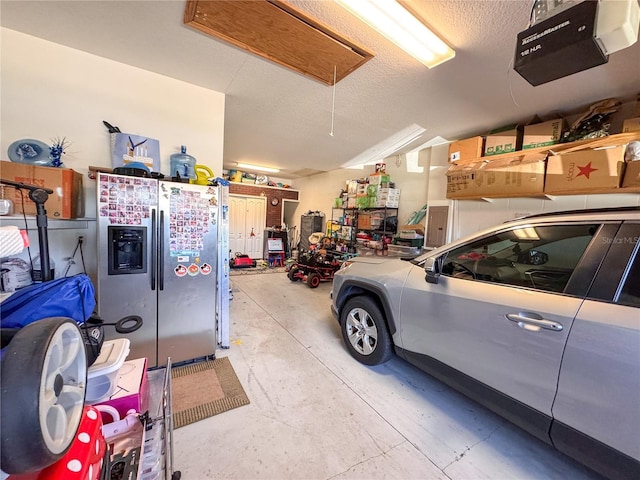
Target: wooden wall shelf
[(550, 196)]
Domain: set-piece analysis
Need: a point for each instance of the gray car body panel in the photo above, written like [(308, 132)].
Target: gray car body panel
[(600, 373), (465, 327)]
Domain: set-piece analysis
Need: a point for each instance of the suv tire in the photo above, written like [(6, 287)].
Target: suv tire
[(365, 332)]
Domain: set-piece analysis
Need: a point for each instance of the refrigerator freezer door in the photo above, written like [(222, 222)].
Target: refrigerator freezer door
[(126, 217), (188, 256)]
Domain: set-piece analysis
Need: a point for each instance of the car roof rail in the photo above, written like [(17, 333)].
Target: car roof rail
[(578, 212)]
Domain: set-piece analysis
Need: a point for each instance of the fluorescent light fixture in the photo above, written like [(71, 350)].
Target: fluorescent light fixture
[(258, 168), (393, 21), (392, 145)]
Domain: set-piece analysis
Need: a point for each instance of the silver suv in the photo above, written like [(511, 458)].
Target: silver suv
[(537, 319)]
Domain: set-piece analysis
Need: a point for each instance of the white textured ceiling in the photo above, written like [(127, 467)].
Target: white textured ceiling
[(280, 118)]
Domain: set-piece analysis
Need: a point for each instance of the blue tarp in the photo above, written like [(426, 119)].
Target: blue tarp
[(72, 297)]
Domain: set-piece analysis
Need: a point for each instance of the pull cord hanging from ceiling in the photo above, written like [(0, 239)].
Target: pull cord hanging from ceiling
[(333, 100)]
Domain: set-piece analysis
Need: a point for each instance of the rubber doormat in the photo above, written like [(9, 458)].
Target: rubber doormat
[(202, 390)]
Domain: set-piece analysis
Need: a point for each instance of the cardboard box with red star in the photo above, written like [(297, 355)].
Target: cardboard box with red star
[(585, 171)]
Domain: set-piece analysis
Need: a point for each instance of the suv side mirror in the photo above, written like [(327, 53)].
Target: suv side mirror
[(432, 269), (533, 257)]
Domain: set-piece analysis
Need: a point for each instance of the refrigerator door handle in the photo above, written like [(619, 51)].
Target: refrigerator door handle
[(161, 252), (154, 250)]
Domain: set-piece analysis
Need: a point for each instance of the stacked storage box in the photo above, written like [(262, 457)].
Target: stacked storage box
[(381, 179), (352, 192), (387, 197)]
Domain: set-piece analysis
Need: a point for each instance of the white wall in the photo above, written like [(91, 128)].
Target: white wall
[(472, 215), (50, 91)]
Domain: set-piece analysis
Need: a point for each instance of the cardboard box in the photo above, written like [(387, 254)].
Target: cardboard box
[(364, 202), (409, 234), (517, 175), (632, 174), (585, 170), (504, 140), (419, 229), (67, 199), (631, 125), (386, 202), (379, 179), (467, 150), (387, 197), (389, 192), (543, 134), (364, 221), (352, 187), (372, 190), (345, 233)]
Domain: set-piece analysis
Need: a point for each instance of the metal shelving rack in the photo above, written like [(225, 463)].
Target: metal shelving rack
[(353, 214), (160, 425)]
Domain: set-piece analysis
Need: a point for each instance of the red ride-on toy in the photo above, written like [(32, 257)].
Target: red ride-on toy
[(318, 265), (241, 260)]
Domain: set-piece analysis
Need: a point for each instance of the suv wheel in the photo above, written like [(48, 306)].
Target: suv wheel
[(364, 331)]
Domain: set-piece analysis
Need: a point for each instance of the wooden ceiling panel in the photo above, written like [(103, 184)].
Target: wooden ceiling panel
[(278, 32)]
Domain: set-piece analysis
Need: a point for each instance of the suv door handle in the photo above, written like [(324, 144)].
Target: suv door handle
[(527, 320)]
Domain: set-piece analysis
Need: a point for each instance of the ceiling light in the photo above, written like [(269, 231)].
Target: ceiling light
[(393, 21), (258, 168)]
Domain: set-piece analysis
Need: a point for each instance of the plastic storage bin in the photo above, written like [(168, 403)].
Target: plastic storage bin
[(103, 374)]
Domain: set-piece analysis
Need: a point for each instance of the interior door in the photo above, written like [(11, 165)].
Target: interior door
[(437, 226), (237, 219), (255, 223), (247, 221)]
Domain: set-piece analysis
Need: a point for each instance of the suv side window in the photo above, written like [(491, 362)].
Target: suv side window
[(630, 291), (540, 257)]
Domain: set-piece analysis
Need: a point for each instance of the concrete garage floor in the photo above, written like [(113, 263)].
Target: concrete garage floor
[(316, 413)]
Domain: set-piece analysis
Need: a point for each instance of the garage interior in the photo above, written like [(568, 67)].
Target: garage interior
[(315, 413)]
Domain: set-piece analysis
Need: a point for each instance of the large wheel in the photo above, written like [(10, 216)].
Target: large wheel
[(313, 280), (44, 377), (365, 332), (292, 274)]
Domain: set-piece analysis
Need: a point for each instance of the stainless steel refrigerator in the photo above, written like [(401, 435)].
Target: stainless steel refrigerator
[(162, 256)]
